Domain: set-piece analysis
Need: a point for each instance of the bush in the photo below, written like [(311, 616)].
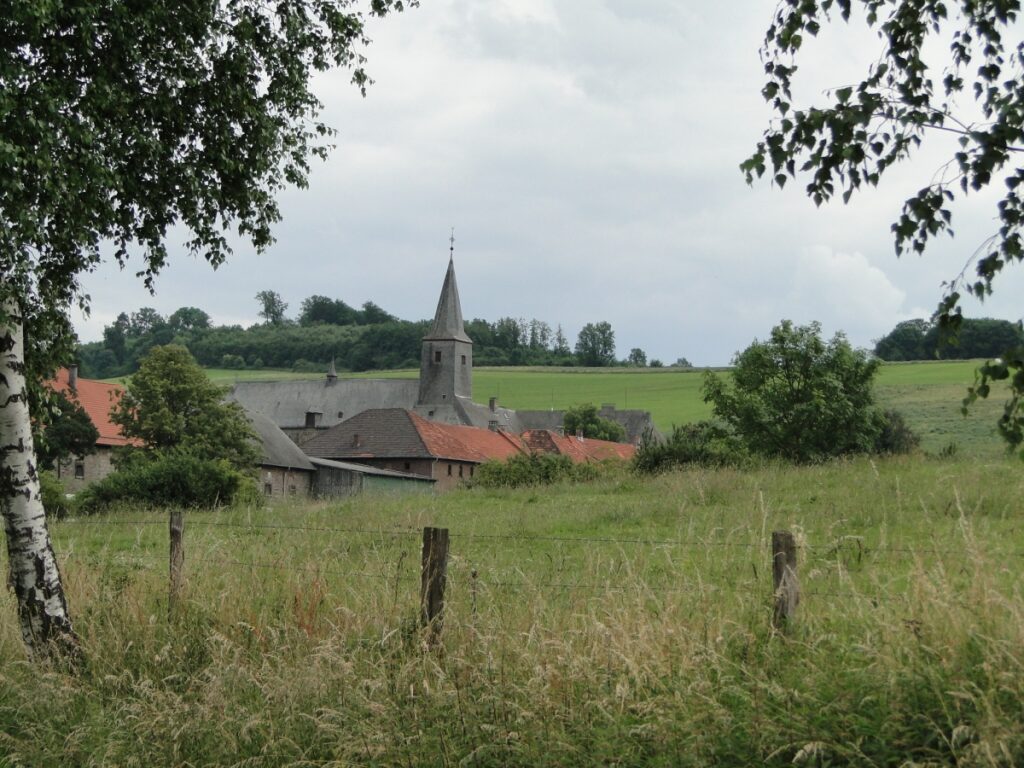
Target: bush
[(532, 469), (234, 362), (55, 499), (172, 479), (798, 397), (706, 443), (895, 435)]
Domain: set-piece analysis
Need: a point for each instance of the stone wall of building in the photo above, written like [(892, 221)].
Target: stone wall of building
[(78, 472), (279, 483)]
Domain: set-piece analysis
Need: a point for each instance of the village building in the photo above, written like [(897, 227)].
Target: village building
[(443, 393), (96, 398), (285, 471), (401, 440)]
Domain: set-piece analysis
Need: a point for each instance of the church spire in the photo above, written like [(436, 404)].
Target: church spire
[(448, 317)]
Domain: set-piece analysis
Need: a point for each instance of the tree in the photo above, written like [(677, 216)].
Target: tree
[(170, 404), (120, 120), (272, 307), (922, 340), (867, 128), (188, 319), (595, 345), (907, 341), (560, 346), (321, 309), (371, 314), (797, 397), (586, 420), (70, 433), (637, 357)]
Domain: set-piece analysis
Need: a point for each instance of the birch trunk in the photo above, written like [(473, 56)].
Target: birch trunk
[(42, 609)]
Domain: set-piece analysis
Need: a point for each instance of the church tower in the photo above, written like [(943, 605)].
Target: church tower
[(446, 362)]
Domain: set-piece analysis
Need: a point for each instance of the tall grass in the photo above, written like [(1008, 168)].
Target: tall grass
[(623, 622)]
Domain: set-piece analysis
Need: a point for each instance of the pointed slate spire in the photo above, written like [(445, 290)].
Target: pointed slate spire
[(448, 318), (332, 373)]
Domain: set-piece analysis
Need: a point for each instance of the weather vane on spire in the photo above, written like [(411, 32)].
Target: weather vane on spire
[(451, 249)]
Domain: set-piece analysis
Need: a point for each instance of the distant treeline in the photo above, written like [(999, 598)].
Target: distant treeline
[(328, 329), (921, 340)]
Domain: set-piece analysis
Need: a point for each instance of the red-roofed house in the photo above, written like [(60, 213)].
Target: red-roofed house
[(399, 439), (579, 449), (96, 399)]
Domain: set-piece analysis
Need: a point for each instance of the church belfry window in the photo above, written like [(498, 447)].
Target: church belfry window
[(463, 359), (437, 355)]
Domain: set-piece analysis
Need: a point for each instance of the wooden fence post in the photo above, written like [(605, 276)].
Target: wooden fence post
[(177, 560), (433, 580), (784, 579)]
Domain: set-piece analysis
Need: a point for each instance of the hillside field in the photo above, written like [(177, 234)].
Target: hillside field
[(928, 394), (621, 622)]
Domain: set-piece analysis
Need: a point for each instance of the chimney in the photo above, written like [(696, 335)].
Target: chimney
[(493, 404), (73, 378)]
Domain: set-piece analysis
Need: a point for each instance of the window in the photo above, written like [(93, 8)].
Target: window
[(449, 470), (470, 470), (460, 470), (268, 489), (312, 419), (291, 490), (79, 470), (437, 356), (463, 359), (408, 466), (341, 414)]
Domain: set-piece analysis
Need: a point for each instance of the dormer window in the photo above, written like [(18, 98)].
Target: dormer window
[(313, 419)]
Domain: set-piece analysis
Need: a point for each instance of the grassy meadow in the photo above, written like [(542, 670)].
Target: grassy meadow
[(927, 393), (620, 622)]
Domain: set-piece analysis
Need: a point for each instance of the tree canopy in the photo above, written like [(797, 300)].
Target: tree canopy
[(587, 420), (595, 345), (866, 128), (922, 340), (170, 404), (798, 397)]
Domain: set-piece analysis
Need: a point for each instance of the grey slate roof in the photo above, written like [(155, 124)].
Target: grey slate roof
[(380, 433), (448, 317), (366, 469), (286, 402), (276, 449)]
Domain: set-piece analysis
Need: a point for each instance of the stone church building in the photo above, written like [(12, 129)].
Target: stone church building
[(443, 393)]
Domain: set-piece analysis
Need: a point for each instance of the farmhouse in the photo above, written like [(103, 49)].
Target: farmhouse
[(443, 393), (401, 440), (96, 399), (285, 471)]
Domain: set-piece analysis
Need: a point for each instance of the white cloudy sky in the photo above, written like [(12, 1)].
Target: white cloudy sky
[(586, 152)]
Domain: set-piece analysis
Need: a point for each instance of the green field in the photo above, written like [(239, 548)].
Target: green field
[(621, 622), (928, 394)]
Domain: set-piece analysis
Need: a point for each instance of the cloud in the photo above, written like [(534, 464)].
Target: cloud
[(586, 152)]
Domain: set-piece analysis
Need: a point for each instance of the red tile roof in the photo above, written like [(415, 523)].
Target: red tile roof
[(579, 449), (96, 398), (460, 443)]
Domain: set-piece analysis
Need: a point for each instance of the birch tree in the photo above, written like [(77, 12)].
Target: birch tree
[(118, 122)]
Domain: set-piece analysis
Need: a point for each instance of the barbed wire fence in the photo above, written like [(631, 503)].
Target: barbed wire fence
[(784, 553)]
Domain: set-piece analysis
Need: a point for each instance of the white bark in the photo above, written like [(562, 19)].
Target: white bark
[(42, 609)]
